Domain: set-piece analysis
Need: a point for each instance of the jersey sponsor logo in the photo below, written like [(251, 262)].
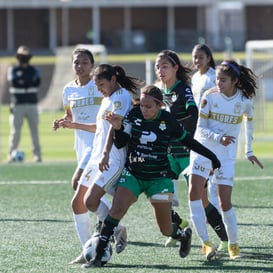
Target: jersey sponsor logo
[(147, 137), (223, 118)]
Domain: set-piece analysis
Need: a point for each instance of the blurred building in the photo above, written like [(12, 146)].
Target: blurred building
[(133, 25)]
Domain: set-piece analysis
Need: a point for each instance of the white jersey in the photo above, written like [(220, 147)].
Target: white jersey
[(84, 103), (119, 103), (202, 82), (221, 115)]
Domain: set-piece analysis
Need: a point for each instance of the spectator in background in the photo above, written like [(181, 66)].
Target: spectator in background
[(24, 80)]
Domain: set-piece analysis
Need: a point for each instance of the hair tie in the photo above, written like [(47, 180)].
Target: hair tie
[(149, 96), (233, 67)]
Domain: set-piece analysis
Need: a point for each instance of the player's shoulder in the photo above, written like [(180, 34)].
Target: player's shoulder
[(211, 91)]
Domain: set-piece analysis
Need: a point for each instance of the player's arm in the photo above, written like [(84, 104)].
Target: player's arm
[(104, 162), (196, 146), (122, 131), (67, 116), (190, 120), (249, 128), (90, 127)]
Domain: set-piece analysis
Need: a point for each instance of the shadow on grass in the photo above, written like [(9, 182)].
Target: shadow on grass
[(205, 267), (35, 220)]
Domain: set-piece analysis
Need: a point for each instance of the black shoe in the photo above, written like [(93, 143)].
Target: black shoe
[(93, 263), (185, 243)]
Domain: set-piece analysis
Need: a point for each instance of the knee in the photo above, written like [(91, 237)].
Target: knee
[(225, 206), (91, 203), (77, 205)]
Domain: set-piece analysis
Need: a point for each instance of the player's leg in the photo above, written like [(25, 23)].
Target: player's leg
[(81, 219), (16, 120), (214, 218), (94, 200), (198, 217), (32, 116), (123, 199), (229, 219)]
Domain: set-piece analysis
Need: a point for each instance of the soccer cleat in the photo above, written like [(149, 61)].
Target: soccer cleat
[(185, 243), (234, 251), (93, 263), (223, 247), (79, 260), (170, 242), (209, 250), (120, 238)]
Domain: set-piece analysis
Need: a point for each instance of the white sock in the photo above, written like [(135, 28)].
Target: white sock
[(103, 209), (83, 226), (213, 194), (230, 222), (198, 218)]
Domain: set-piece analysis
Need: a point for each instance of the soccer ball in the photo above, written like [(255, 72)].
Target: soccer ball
[(89, 250), (17, 156)]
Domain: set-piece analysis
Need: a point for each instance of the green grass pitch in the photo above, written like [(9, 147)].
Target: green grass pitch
[(37, 229)]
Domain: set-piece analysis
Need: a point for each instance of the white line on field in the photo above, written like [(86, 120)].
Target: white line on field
[(52, 182)]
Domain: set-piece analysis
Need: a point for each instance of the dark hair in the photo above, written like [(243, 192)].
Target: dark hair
[(153, 91), (84, 51), (106, 71), (246, 77), (183, 73), (207, 51)]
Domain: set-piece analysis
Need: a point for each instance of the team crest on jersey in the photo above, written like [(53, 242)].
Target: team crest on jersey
[(91, 91), (174, 97), (237, 108), (117, 105), (162, 126), (203, 103)]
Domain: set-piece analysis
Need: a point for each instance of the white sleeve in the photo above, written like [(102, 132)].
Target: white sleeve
[(249, 129), (205, 132)]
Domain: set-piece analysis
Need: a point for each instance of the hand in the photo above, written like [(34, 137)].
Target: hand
[(55, 125), (104, 163), (114, 120), (253, 159), (66, 124), (226, 140)]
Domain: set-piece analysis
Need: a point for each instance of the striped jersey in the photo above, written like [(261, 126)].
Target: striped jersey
[(178, 100), (149, 142)]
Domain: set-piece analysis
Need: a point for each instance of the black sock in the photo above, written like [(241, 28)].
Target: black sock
[(106, 232), (176, 218), (215, 220), (178, 232)]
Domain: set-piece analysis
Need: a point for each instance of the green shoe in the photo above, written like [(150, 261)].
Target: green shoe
[(223, 247)]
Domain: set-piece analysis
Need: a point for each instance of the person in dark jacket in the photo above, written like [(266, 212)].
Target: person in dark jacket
[(24, 80)]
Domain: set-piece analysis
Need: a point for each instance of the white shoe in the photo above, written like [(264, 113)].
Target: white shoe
[(120, 238)]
